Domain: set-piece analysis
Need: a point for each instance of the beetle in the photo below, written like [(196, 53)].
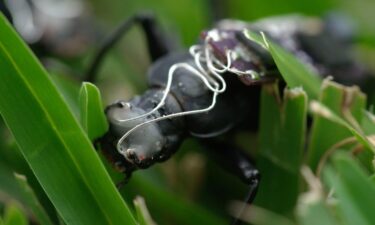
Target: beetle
[(214, 88)]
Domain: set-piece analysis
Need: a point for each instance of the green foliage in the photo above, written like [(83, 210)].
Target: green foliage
[(92, 118), (294, 72), (57, 150), (354, 189), (280, 151), (316, 212), (14, 216), (32, 201), (347, 102), (179, 209), (143, 215), (322, 174), (337, 125)]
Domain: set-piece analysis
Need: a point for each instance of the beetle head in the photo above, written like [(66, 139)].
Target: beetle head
[(144, 146)]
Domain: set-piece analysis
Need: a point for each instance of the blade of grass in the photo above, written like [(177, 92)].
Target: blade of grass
[(161, 201), (69, 89), (32, 201), (312, 208), (324, 111), (316, 213), (12, 161), (294, 72), (92, 114), (20, 191), (259, 216), (326, 132), (354, 190), (52, 141), (14, 216), (368, 123), (172, 206), (144, 217), (282, 135), (8, 185)]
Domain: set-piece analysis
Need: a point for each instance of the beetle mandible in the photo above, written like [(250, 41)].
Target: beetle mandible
[(214, 87)]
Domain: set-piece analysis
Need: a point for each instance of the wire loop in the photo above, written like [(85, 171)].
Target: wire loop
[(207, 67)]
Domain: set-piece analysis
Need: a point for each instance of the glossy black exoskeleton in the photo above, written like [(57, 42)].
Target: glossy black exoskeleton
[(324, 45)]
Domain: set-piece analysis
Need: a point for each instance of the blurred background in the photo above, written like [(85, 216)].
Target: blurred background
[(190, 181)]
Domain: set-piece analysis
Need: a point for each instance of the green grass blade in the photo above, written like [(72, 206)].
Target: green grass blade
[(51, 140), (315, 212), (325, 112), (259, 216), (312, 207), (8, 185), (144, 217), (368, 123), (11, 162), (282, 135), (172, 206), (69, 89), (32, 201), (326, 132), (14, 216), (20, 190), (92, 114), (294, 72), (354, 190)]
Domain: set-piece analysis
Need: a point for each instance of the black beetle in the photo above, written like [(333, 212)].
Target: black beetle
[(214, 87)]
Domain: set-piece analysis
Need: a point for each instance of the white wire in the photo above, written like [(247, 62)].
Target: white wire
[(169, 84), (211, 78), (167, 89), (119, 148)]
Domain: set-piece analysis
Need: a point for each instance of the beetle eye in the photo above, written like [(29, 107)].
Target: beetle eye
[(120, 104), (130, 155)]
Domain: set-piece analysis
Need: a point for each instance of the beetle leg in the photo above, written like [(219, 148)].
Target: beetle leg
[(158, 43), (238, 163), (123, 182)]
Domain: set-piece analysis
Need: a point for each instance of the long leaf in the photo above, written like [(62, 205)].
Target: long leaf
[(51, 140), (327, 131), (144, 217), (259, 216), (21, 191), (368, 123), (354, 189), (316, 212), (282, 134), (178, 209), (32, 201), (14, 215), (92, 113), (294, 72)]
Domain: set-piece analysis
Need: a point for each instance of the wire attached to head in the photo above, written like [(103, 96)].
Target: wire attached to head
[(207, 67)]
